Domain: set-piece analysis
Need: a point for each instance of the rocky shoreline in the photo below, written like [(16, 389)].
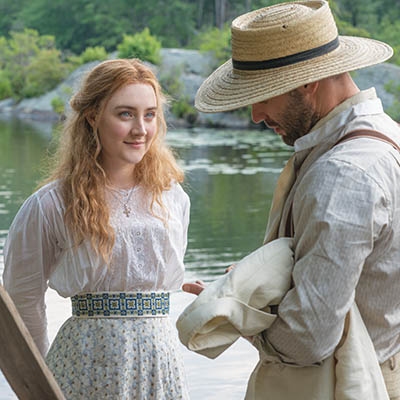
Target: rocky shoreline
[(193, 67)]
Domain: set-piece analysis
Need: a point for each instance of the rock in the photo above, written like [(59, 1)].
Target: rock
[(192, 61), (7, 106), (379, 76), (193, 67)]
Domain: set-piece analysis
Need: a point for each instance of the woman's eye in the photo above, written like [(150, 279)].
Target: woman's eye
[(150, 114), (126, 114)]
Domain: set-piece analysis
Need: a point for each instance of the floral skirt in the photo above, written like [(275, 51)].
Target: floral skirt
[(118, 358)]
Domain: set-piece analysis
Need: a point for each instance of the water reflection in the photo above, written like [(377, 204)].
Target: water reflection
[(230, 177)]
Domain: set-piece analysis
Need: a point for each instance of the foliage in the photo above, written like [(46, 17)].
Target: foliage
[(97, 53), (58, 105), (390, 34), (59, 102), (216, 41), (141, 45), (371, 18), (180, 104), (347, 29), (90, 54), (5, 86), (33, 31), (394, 110), (31, 63), (78, 24), (9, 10), (182, 108), (43, 74), (173, 22), (170, 81)]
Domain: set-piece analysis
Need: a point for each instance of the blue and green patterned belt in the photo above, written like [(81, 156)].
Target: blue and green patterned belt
[(120, 304)]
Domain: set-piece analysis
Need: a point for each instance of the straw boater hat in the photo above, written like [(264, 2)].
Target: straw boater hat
[(279, 48)]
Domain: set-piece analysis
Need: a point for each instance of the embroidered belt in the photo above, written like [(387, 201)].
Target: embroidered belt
[(116, 304)]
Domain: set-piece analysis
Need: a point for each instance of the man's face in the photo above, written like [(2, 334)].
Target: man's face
[(290, 115)]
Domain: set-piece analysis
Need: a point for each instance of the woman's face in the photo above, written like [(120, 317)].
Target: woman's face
[(127, 127)]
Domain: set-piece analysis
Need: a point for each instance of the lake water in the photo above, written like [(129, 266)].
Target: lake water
[(230, 177)]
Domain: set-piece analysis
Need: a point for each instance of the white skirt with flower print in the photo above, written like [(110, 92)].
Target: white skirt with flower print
[(118, 358)]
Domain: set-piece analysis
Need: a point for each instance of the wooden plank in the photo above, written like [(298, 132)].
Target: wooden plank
[(20, 360)]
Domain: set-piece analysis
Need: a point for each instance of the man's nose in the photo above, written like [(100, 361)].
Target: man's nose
[(257, 114)]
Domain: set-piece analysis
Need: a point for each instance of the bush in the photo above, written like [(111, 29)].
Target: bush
[(141, 45), (97, 53), (58, 105), (181, 108), (394, 88), (389, 33), (32, 63), (5, 86), (217, 41), (43, 74)]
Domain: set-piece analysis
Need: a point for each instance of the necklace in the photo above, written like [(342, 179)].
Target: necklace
[(126, 209)]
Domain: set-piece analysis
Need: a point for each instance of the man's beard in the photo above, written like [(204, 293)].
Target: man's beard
[(298, 118)]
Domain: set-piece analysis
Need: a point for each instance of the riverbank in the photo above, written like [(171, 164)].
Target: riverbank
[(190, 67)]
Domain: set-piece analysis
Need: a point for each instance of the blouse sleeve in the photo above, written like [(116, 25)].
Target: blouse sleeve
[(185, 222), (29, 252)]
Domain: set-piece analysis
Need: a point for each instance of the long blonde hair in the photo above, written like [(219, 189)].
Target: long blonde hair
[(77, 166)]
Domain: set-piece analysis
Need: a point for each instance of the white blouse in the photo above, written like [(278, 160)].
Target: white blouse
[(147, 255)]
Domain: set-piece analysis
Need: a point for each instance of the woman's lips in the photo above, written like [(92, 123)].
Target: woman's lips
[(134, 144)]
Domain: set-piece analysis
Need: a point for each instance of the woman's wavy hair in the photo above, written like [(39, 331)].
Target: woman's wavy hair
[(77, 164)]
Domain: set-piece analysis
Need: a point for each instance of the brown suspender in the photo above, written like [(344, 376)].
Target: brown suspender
[(368, 133)]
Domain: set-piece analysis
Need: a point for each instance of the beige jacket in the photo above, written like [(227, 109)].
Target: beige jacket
[(237, 304)]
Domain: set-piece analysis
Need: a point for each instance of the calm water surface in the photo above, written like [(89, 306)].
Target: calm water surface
[(230, 177)]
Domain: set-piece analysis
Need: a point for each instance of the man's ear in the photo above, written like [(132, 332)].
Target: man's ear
[(309, 88)]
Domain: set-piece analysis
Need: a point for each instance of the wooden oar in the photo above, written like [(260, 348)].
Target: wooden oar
[(20, 360)]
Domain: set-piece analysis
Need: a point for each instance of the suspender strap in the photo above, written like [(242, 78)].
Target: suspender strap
[(369, 133)]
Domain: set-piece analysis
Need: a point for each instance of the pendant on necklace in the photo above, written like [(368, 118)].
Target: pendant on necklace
[(127, 210)]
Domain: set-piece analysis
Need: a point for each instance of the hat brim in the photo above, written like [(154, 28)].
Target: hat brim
[(229, 89)]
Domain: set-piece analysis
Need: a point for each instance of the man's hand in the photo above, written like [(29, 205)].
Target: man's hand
[(198, 286), (194, 287), (230, 268)]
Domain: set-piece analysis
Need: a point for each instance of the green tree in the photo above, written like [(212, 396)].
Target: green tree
[(97, 53), (43, 73), (216, 41), (141, 45), (31, 63), (394, 110), (9, 15), (174, 25), (371, 18), (390, 33), (78, 24), (5, 86)]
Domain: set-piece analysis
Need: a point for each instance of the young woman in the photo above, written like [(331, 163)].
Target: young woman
[(109, 229)]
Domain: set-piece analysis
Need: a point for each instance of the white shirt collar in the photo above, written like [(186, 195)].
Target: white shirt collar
[(331, 126)]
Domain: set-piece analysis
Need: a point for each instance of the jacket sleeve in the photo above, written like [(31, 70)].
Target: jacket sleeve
[(339, 212)]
